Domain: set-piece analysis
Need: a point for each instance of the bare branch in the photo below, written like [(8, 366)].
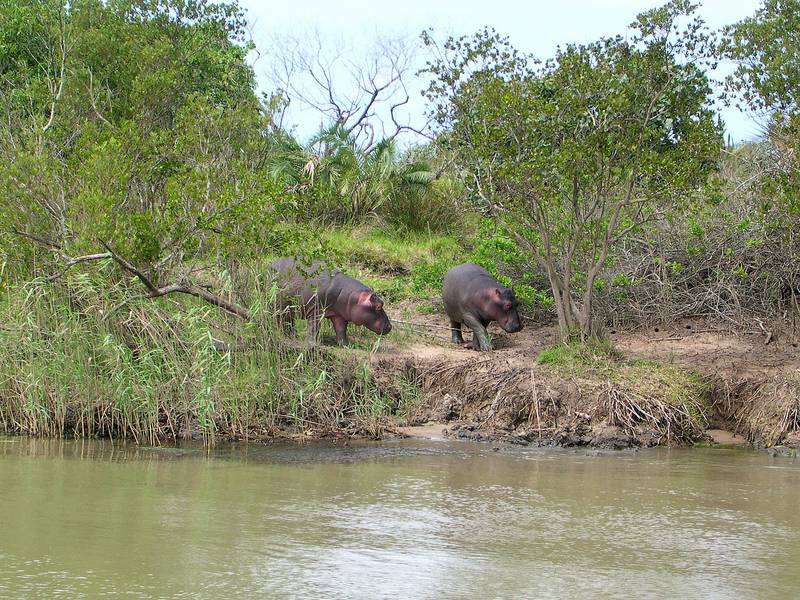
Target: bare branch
[(52, 246), (93, 100), (351, 90), (56, 92), (78, 260), (200, 292), (178, 288)]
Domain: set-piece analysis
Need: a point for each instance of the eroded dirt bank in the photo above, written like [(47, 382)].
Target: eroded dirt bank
[(686, 384)]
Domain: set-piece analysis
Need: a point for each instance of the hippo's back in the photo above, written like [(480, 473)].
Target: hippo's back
[(300, 277), (460, 285)]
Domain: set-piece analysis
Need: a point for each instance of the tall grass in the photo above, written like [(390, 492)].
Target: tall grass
[(73, 362)]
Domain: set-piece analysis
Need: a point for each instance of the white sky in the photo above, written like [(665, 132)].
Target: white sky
[(535, 27)]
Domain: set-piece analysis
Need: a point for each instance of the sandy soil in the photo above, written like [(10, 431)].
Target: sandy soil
[(707, 349)]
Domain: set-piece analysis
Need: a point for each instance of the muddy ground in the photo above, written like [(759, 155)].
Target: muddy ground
[(750, 392)]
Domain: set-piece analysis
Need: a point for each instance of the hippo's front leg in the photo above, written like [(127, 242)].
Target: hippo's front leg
[(340, 326), (480, 339)]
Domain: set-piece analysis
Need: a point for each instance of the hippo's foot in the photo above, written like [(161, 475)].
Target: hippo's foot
[(473, 346), (479, 346)]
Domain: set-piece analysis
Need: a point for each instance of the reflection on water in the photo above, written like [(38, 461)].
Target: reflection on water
[(405, 519)]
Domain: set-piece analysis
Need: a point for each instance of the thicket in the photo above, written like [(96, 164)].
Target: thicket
[(144, 185)]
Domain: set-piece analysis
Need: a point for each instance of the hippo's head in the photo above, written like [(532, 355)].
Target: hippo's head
[(503, 309), (368, 311)]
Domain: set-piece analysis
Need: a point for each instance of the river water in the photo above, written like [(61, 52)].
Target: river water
[(406, 519)]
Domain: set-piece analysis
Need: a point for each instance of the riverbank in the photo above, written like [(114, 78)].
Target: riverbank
[(692, 383), (82, 357)]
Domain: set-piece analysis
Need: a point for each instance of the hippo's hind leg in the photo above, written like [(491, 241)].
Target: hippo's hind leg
[(480, 338), (314, 319), (286, 316), (455, 329)]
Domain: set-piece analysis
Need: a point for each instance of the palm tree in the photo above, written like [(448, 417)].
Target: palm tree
[(343, 183)]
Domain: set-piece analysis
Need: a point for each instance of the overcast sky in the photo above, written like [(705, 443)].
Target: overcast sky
[(535, 27)]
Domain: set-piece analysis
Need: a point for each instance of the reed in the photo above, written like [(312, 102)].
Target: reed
[(72, 363)]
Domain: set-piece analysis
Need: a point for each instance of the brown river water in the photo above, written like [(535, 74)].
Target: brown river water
[(405, 519)]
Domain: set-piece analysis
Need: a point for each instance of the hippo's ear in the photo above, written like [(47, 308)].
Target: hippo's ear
[(377, 303), (499, 293)]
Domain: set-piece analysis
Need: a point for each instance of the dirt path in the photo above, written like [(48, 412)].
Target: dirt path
[(706, 349)]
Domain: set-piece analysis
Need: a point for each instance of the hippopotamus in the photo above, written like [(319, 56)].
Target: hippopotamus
[(318, 291), (475, 298)]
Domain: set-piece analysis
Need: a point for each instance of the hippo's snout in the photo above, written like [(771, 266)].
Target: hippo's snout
[(384, 327), (514, 327), (511, 324)]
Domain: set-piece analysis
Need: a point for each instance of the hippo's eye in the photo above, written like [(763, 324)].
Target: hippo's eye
[(378, 308), (507, 306)]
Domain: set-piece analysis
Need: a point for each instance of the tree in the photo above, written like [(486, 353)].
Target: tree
[(130, 131), (335, 181), (572, 154), (766, 50)]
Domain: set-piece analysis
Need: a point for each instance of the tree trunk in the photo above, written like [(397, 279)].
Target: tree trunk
[(564, 309), (573, 320), (590, 327)]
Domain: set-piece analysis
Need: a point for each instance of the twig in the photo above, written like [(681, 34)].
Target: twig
[(422, 325)]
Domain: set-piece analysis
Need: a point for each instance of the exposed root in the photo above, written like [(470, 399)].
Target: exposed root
[(681, 423), (490, 399), (765, 411)]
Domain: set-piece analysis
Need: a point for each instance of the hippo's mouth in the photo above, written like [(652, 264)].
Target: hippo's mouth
[(382, 328)]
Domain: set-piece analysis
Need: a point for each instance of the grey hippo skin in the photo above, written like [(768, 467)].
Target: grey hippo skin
[(317, 291), (475, 298)]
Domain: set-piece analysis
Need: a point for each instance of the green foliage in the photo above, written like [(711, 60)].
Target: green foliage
[(766, 50), (147, 134), (495, 249), (427, 276), (500, 255)]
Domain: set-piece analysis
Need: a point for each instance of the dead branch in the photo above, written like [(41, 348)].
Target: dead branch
[(52, 246), (368, 91), (127, 266), (92, 99), (188, 288), (78, 260)]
